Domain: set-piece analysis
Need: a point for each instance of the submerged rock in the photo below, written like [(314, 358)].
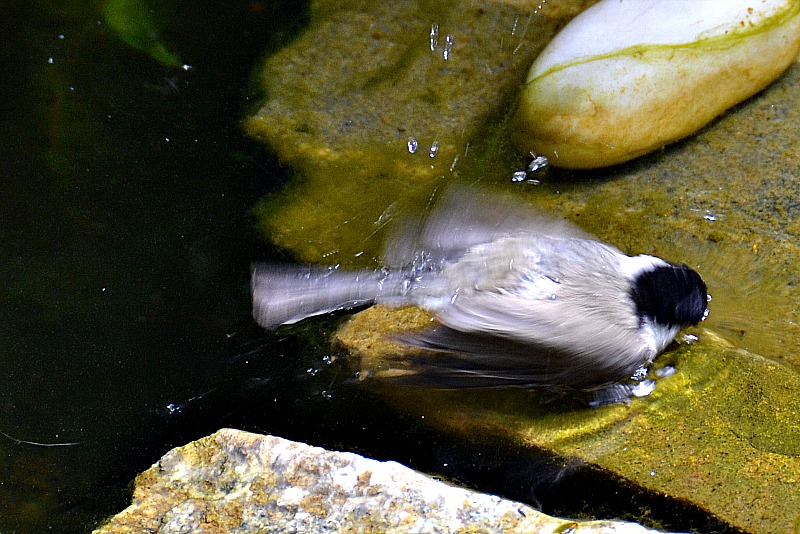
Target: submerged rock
[(376, 101), (234, 481), (723, 429)]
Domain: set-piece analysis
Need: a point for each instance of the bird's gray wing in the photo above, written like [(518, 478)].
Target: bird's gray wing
[(482, 216), (468, 216), (491, 341)]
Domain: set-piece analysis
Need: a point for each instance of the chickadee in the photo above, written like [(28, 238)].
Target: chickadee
[(521, 299)]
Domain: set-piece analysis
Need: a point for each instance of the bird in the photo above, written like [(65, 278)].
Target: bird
[(520, 297)]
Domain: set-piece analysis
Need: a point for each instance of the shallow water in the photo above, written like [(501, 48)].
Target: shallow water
[(127, 241)]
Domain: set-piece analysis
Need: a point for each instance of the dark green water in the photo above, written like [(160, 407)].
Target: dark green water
[(126, 245), (126, 241)]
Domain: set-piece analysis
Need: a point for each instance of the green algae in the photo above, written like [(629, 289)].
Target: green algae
[(301, 215)]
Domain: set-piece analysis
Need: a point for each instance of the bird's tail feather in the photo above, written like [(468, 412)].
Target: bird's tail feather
[(284, 294)]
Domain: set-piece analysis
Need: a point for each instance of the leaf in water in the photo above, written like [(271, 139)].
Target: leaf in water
[(133, 22)]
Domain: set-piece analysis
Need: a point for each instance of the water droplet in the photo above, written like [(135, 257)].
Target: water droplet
[(639, 374), (518, 176), (538, 162), (453, 165), (434, 149), (666, 371), (448, 45), (643, 388)]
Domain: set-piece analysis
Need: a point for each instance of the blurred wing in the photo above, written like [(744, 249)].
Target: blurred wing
[(493, 342), (483, 361), (468, 216)]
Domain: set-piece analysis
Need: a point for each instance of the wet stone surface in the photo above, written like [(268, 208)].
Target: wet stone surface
[(362, 83)]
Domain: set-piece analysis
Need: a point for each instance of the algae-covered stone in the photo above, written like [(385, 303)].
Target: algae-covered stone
[(376, 101), (721, 430), (629, 76)]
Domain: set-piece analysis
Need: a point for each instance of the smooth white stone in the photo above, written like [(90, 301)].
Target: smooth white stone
[(627, 77)]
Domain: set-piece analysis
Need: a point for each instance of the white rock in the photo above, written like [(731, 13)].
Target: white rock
[(628, 76)]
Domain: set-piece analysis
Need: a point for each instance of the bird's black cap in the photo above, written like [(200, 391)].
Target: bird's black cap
[(671, 295)]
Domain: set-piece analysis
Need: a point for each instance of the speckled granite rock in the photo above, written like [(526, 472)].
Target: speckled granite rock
[(234, 481)]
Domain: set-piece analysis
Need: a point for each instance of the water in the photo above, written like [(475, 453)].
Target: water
[(127, 238)]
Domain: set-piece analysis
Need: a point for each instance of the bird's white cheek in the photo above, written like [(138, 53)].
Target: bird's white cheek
[(658, 336)]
